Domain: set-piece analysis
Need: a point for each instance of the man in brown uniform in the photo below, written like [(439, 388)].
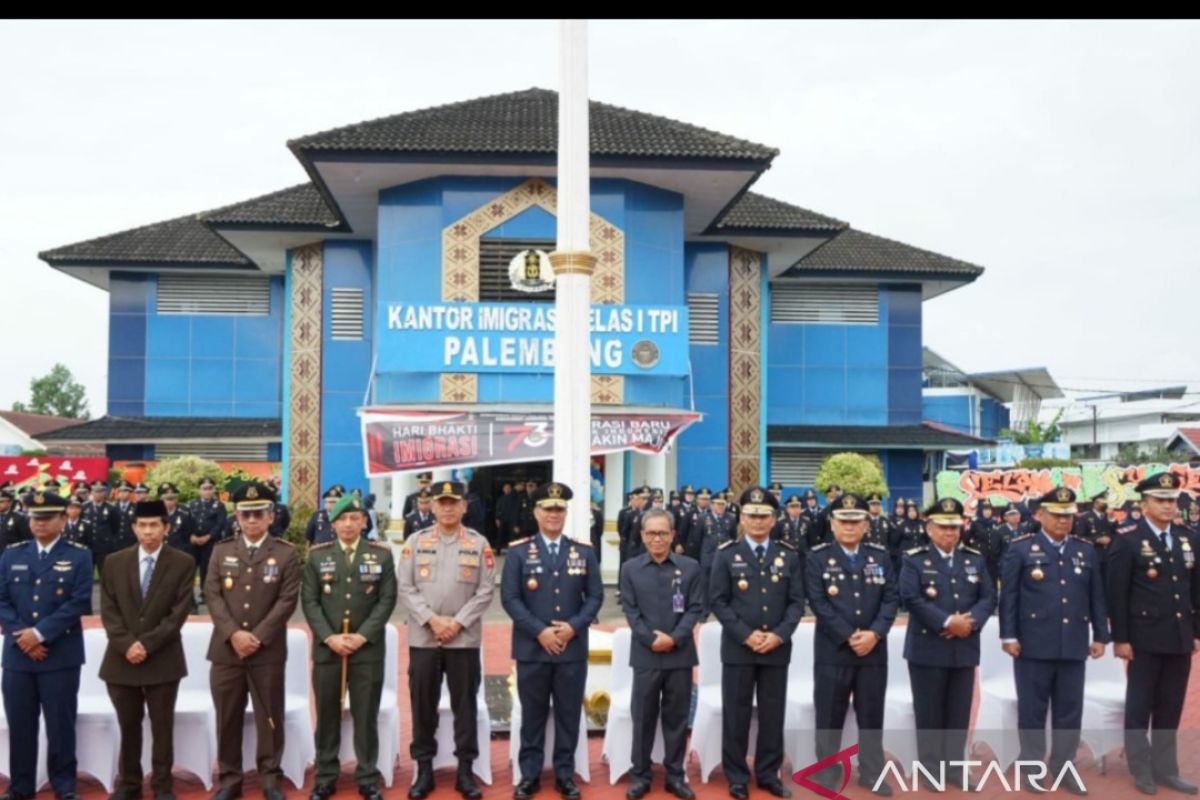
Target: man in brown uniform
[(446, 580), (145, 597), (251, 590)]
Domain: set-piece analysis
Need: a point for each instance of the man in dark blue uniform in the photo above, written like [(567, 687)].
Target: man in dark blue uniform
[(661, 598), (14, 527), (1154, 599), (45, 588), (422, 517), (552, 590), (756, 590), (949, 596), (210, 518), (852, 590), (1052, 617), (717, 527), (811, 509), (688, 528), (793, 525), (108, 532), (320, 529)]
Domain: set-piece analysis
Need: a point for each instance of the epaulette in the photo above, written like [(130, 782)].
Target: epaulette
[(921, 548), (17, 544), (580, 542), (377, 543), (320, 546), (786, 544), (875, 546), (1020, 538), (970, 550), (1082, 540), (728, 543), (229, 542), (516, 542), (77, 544), (282, 540), (819, 547)]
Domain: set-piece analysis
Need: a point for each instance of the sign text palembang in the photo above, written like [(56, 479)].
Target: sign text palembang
[(519, 337)]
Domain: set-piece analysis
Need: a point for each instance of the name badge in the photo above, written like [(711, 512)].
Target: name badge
[(677, 603), (20, 567)]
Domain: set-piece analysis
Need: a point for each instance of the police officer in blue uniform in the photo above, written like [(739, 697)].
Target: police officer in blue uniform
[(320, 529), (1052, 617), (1154, 600), (949, 596), (756, 590), (852, 590), (210, 518), (552, 590), (45, 588)]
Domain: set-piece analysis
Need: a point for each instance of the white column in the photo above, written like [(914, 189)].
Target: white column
[(403, 484), (614, 501), (573, 265), (656, 473)]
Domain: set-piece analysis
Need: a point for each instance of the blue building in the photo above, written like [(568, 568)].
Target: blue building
[(258, 331)]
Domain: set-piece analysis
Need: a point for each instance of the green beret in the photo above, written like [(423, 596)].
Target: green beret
[(347, 503)]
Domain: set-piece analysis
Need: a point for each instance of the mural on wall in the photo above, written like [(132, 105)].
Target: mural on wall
[(1016, 485)]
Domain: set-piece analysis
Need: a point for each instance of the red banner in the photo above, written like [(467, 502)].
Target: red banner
[(30, 470), (406, 441)]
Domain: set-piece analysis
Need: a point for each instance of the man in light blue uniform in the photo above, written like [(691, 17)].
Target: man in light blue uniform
[(45, 587)]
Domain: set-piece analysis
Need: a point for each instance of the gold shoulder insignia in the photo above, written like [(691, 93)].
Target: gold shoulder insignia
[(320, 546), (725, 544), (379, 544), (912, 551), (516, 542)]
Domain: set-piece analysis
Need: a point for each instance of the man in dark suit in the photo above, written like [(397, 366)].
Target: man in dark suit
[(1154, 600), (251, 591), (661, 598), (852, 590), (14, 527), (552, 590), (45, 590), (949, 595), (1042, 571), (422, 517), (410, 502), (145, 597), (756, 590)]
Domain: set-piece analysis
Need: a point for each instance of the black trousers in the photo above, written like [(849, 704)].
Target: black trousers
[(159, 701), (461, 669), (1154, 695), (538, 682), (1057, 685), (666, 693), (55, 696), (834, 686), (942, 706), (739, 682)]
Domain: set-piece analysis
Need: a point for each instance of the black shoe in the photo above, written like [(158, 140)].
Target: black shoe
[(465, 783), (1177, 783), (11, 795), (67, 796), (738, 791), (680, 789), (1027, 785), (527, 788), (1145, 785), (776, 788), (423, 786), (164, 796), (884, 790), (274, 793), (638, 790), (1072, 786), (227, 794), (567, 788), (126, 794), (370, 792), (322, 791)]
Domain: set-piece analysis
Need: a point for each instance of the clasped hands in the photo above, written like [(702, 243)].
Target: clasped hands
[(345, 644), (555, 637), (444, 629), (31, 646), (763, 641)]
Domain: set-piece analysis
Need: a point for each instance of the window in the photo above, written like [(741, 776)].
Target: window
[(223, 295), (703, 320), (825, 303), (795, 466)]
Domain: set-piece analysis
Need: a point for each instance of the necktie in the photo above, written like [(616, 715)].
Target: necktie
[(949, 562), (760, 551), (42, 555), (349, 555), (252, 550), (1163, 537), (554, 551), (853, 559), (149, 562)]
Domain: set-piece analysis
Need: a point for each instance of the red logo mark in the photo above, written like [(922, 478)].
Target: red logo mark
[(843, 758)]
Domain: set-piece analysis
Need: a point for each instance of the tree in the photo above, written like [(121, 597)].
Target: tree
[(855, 473), (1135, 453), (1035, 433), (186, 473), (56, 393)]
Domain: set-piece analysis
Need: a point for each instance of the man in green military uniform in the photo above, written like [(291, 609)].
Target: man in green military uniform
[(348, 593)]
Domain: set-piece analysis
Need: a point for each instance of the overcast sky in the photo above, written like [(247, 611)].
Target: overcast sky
[(1063, 157)]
